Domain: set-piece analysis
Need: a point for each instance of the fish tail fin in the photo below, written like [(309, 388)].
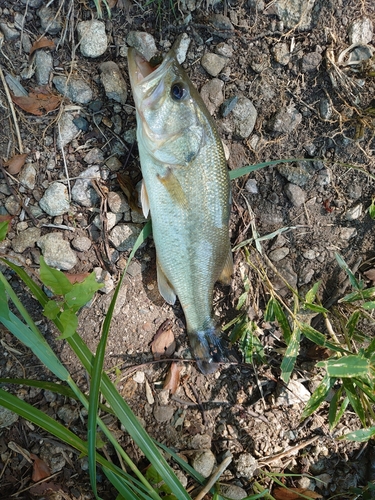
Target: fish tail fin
[(207, 349)]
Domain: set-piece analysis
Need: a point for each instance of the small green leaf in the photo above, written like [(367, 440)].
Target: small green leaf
[(315, 308), (360, 436), (358, 285), (51, 309), (354, 399), (69, 323), (318, 396), (283, 321), (335, 413), (318, 338), (352, 323), (3, 229), (82, 293), (351, 366), (361, 295), (290, 355), (269, 314), (311, 294), (368, 306), (371, 208), (54, 279)]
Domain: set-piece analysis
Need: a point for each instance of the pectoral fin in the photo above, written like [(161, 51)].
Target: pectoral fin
[(226, 273), (144, 200), (165, 288), (173, 186)]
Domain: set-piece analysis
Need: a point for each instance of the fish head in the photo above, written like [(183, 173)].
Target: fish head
[(171, 120)]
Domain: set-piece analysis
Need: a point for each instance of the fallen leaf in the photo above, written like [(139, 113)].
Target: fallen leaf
[(318, 352), (40, 469), (163, 343), (293, 493), (42, 43), (129, 190), (45, 489), (6, 218), (76, 278), (112, 3), (15, 164), (172, 380), (39, 101), (370, 274)]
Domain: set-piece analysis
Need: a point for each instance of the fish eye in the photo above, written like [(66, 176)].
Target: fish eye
[(178, 91)]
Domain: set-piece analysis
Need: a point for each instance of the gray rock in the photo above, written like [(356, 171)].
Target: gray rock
[(66, 130), (163, 413), (309, 254), (204, 462), (251, 186), (325, 108), (281, 53), (7, 417), (114, 164), (25, 239), (259, 60), (35, 4), (293, 13), (285, 120), (104, 277), (9, 33), (50, 21), (113, 82), (346, 233), (143, 42), (232, 491), (228, 106), (223, 49), (92, 37), (117, 202), (111, 220), (324, 177), (246, 466), (57, 252), (213, 63), (296, 174), (82, 191), (244, 117), (220, 25), (278, 254), (354, 212), (55, 200), (124, 236), (311, 61), (94, 156), (361, 31), (75, 89), (201, 442), (12, 205), (81, 243), (296, 195), (212, 94), (43, 66), (67, 414), (354, 191), (181, 47), (27, 176), (136, 217), (294, 393)]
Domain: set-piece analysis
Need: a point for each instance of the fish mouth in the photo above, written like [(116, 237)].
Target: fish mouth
[(142, 71)]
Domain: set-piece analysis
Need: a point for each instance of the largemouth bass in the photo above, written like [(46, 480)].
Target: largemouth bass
[(186, 189)]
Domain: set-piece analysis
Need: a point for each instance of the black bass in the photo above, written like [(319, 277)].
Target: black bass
[(186, 189)]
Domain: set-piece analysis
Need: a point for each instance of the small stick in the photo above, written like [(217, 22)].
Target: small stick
[(288, 452), (5, 85), (214, 477)]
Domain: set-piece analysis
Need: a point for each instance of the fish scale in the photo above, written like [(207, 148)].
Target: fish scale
[(186, 188)]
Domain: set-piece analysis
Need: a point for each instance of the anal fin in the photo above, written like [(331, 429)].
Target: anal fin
[(165, 288), (144, 200), (226, 273)]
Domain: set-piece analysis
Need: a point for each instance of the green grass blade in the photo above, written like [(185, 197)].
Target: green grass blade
[(124, 488), (318, 396), (283, 322), (290, 355), (98, 366), (360, 436), (336, 412), (239, 172), (352, 366), (354, 399)]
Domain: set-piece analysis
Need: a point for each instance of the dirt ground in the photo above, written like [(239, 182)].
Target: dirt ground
[(309, 105)]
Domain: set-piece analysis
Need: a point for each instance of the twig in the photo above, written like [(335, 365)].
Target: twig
[(214, 477), (64, 160), (289, 451), (15, 194), (10, 102)]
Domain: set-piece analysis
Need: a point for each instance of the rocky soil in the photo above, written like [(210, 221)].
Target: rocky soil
[(284, 79)]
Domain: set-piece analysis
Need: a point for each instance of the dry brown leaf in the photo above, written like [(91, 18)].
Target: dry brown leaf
[(39, 101), (112, 3), (6, 218), (42, 43), (40, 469), (318, 352), (129, 190), (45, 489), (163, 343), (76, 278), (370, 274), (172, 380), (293, 493), (15, 164)]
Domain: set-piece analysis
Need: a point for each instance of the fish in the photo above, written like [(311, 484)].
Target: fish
[(186, 190)]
